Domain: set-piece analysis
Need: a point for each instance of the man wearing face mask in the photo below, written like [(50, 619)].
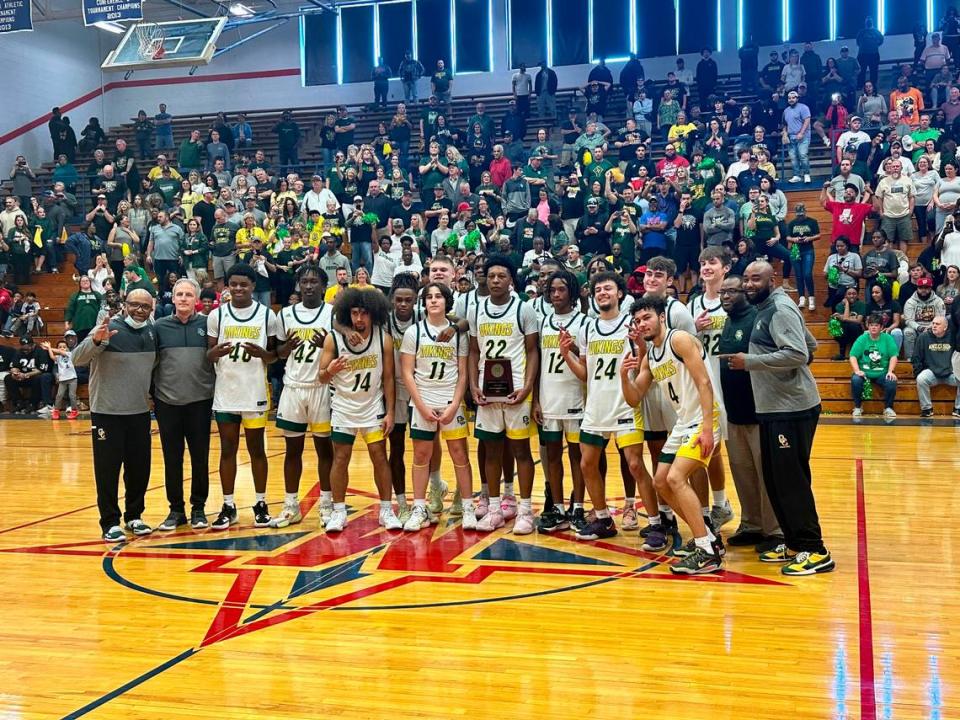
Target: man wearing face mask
[(121, 354)]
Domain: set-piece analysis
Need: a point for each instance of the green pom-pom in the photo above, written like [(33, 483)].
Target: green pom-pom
[(883, 280), (452, 241), (283, 232), (795, 252), (472, 240), (371, 218), (867, 390), (834, 327), (833, 276)]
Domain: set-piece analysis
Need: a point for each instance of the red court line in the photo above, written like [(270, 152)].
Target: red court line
[(145, 82), (868, 699)]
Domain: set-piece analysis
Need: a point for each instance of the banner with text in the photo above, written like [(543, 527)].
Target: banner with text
[(16, 15), (95, 11)]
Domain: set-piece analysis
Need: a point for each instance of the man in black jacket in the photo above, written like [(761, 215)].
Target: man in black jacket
[(758, 523), (933, 364), (706, 77), (545, 87)]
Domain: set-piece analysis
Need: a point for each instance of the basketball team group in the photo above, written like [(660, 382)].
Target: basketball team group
[(576, 367)]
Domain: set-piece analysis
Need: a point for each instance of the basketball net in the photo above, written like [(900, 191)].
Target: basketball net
[(150, 37)]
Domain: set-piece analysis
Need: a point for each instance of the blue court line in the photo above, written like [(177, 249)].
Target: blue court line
[(100, 701)]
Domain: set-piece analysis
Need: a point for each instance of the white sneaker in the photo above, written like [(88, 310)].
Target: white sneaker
[(389, 521), (418, 518), (826, 141), (435, 496), (337, 521), (806, 178), (289, 515), (857, 414), (326, 511), (801, 301), (889, 415), (811, 303), (469, 521), (794, 179), (456, 505), (45, 410)]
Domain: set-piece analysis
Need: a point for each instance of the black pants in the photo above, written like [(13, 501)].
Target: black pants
[(380, 93), (120, 441), (523, 105), (162, 268), (868, 62), (785, 446), (39, 386), (190, 423), (851, 331)]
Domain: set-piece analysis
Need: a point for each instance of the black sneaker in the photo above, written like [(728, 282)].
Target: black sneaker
[(261, 515), (547, 498), (198, 519), (599, 529), (956, 413), (578, 519), (226, 518), (552, 520), (742, 538), (668, 525), (699, 562), (174, 520), (928, 413)]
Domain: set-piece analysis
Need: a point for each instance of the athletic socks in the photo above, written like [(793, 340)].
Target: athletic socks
[(401, 499), (666, 510), (495, 503), (340, 506), (386, 505), (326, 496), (508, 488), (705, 544), (526, 504), (261, 497), (654, 520), (291, 499), (630, 502), (420, 502), (228, 500), (719, 498), (605, 513), (434, 478), (467, 504)]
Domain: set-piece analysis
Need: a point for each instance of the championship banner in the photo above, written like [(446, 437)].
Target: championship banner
[(95, 11), (16, 15)]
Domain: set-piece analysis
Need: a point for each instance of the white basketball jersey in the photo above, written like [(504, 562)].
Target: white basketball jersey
[(397, 330), (357, 390), (435, 370), (710, 336), (676, 383), (543, 308), (501, 331), (604, 344), (561, 392), (241, 378), (303, 364), (678, 317)]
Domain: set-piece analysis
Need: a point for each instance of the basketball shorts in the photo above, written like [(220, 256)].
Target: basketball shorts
[(304, 409), (658, 415), (498, 420), (422, 428), (555, 430), (346, 435), (249, 420), (628, 435), (682, 442)]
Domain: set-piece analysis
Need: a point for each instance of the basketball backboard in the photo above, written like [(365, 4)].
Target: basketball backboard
[(179, 43)]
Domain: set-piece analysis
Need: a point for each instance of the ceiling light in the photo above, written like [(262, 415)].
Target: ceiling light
[(111, 27), (240, 10)]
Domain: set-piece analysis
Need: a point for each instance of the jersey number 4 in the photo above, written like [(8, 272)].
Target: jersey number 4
[(673, 394), (607, 370)]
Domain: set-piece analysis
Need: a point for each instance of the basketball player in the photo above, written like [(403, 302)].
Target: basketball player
[(434, 372), (241, 336), (658, 413), (362, 383), (603, 344), (558, 399), (305, 403), (504, 328), (709, 317), (675, 360), (596, 266), (403, 298)]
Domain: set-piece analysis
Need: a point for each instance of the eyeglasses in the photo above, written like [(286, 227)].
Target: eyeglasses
[(147, 307), (730, 291)]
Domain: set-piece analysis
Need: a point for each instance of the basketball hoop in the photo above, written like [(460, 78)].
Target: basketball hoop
[(150, 37)]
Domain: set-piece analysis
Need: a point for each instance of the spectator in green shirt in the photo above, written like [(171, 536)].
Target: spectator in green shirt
[(873, 358)]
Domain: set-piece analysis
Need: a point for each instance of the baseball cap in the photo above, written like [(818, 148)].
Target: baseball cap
[(70, 332), (26, 340), (922, 282), (593, 202), (573, 247), (317, 177), (844, 48), (799, 207), (357, 197), (207, 190), (229, 202), (753, 157), (437, 187), (463, 206), (856, 117)]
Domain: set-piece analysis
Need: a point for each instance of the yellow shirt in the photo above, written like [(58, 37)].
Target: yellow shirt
[(244, 236), (331, 294), (156, 172)]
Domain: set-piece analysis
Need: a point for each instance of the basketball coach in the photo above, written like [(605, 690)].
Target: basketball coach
[(121, 353), (788, 410)]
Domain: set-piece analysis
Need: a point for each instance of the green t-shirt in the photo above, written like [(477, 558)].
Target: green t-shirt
[(874, 355), (766, 224), (858, 307)]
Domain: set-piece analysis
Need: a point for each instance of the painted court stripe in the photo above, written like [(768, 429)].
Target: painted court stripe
[(868, 699)]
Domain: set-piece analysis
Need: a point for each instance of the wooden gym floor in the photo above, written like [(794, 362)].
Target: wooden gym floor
[(289, 623)]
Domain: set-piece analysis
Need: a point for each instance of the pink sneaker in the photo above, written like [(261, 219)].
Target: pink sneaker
[(524, 523), (629, 519), (491, 521), (508, 505), (483, 506)]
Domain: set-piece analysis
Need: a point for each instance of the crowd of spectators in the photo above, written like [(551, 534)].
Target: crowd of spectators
[(588, 185)]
